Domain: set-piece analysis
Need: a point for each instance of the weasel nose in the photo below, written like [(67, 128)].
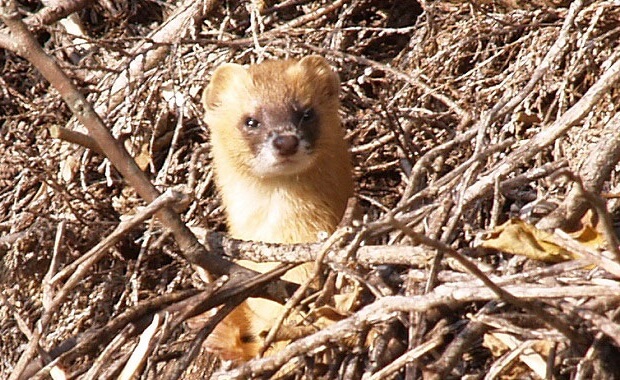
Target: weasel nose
[(286, 145)]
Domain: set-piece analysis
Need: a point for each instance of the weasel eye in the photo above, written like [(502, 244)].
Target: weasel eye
[(247, 338), (308, 115), (251, 123)]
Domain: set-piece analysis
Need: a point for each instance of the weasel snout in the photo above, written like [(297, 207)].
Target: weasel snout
[(285, 144)]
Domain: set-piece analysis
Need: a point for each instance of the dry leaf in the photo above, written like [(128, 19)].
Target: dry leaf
[(530, 353), (520, 238), (68, 168), (143, 159)]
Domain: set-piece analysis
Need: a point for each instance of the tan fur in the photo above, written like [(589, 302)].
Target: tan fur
[(287, 208)]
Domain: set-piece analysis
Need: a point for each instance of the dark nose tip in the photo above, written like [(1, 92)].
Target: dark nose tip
[(286, 145)]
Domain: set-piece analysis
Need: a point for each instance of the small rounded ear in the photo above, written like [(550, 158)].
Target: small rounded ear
[(323, 73), (229, 76)]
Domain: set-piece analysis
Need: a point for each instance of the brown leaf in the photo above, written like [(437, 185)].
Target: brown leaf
[(520, 238)]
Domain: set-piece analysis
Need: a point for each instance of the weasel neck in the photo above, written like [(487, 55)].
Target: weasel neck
[(292, 209)]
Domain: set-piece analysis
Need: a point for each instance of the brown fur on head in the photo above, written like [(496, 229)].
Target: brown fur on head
[(271, 114)]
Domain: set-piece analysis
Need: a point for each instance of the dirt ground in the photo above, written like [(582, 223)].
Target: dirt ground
[(485, 138)]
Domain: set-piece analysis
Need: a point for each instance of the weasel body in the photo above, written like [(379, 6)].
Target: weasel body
[(282, 168)]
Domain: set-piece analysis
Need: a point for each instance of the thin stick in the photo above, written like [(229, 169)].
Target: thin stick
[(533, 307), (387, 308), (78, 138)]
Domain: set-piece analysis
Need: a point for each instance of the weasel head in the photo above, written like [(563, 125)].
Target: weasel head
[(275, 118)]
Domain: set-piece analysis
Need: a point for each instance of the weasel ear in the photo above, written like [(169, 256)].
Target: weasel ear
[(323, 73), (226, 78)]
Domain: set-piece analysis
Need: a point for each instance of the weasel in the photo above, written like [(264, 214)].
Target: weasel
[(282, 168)]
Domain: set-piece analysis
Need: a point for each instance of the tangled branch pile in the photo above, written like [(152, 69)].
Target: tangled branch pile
[(468, 123)]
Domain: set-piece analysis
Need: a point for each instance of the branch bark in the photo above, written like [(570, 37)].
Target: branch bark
[(46, 16), (386, 309), (542, 140), (595, 170), (24, 44)]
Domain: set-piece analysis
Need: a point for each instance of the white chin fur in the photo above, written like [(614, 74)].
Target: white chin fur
[(267, 163)]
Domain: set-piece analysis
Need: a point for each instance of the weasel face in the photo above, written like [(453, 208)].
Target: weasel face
[(271, 119), (280, 137)]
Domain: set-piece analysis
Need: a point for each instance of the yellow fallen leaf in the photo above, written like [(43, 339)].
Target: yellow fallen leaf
[(520, 238), (143, 159), (590, 234)]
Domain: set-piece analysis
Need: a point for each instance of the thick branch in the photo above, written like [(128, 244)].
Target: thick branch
[(26, 46), (595, 170), (387, 307), (545, 138), (152, 51), (45, 16)]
